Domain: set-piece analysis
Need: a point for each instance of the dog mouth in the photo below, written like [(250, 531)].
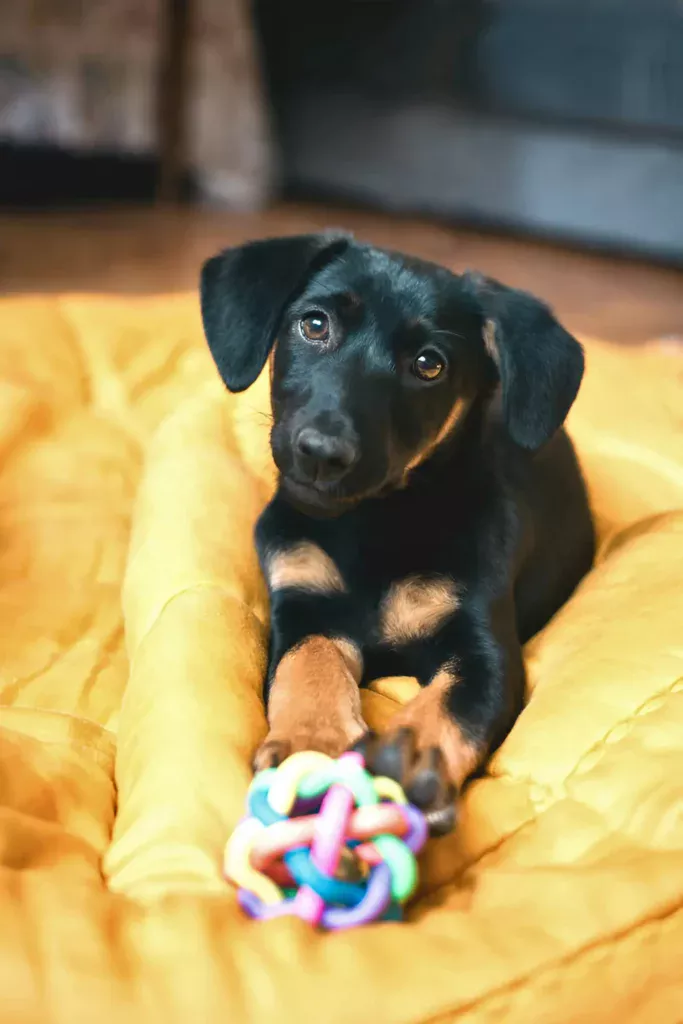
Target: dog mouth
[(314, 499), (324, 502)]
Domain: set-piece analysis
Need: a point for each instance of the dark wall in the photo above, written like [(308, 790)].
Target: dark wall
[(553, 116)]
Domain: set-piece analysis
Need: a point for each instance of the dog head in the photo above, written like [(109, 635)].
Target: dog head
[(378, 359)]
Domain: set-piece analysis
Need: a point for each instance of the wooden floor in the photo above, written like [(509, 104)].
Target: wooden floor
[(157, 250)]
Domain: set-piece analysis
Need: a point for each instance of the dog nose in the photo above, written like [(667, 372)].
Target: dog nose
[(324, 457)]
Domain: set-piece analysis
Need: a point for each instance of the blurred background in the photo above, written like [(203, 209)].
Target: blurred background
[(540, 141)]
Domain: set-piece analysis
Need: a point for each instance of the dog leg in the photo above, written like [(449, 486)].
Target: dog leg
[(441, 737), (428, 752), (314, 701)]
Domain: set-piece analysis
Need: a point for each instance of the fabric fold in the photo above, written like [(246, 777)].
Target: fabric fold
[(124, 765)]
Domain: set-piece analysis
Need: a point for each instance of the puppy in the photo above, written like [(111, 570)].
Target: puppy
[(430, 515)]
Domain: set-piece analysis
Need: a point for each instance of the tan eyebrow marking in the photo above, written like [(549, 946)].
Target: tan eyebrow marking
[(305, 566), (490, 342), (351, 300), (415, 607)]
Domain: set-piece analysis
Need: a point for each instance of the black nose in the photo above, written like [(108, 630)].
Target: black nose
[(324, 457)]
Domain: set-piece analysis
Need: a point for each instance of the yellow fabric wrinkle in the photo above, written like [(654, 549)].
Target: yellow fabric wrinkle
[(133, 642)]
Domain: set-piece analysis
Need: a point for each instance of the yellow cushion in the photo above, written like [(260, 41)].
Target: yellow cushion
[(560, 896)]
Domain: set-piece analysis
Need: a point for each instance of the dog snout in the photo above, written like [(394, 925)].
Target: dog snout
[(324, 457)]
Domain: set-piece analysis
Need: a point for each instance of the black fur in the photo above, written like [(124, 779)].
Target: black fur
[(499, 506), (243, 293)]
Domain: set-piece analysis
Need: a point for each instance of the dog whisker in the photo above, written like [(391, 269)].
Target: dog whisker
[(447, 334)]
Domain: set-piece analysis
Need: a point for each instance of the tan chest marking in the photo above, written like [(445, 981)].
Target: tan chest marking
[(415, 607), (306, 567)]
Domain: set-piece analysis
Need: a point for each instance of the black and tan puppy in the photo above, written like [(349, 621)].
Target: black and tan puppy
[(430, 515)]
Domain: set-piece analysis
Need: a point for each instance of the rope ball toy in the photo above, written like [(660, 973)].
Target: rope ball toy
[(327, 841)]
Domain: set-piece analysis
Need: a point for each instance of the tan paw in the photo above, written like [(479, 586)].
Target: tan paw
[(426, 751), (314, 703), (329, 737)]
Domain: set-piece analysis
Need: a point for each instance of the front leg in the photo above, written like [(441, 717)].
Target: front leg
[(313, 701), (472, 679), (312, 689)]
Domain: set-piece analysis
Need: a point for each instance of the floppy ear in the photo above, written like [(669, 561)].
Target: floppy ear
[(540, 365), (243, 294)]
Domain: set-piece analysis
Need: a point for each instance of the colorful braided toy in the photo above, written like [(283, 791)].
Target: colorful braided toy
[(327, 841)]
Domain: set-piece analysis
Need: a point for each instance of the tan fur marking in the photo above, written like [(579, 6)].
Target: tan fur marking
[(314, 701), (490, 342), (415, 607), (455, 415), (307, 567), (427, 715), (351, 655), (352, 300)]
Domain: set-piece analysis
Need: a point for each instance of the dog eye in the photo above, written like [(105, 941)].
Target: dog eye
[(428, 365), (315, 326)]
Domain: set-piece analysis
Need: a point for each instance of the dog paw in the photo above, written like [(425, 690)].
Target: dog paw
[(270, 754), (332, 740), (422, 772)]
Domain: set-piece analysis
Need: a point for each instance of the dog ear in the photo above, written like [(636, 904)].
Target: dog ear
[(540, 365), (243, 294)]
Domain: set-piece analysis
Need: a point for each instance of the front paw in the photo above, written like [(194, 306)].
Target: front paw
[(314, 702), (271, 753), (331, 738), (422, 772), (427, 753)]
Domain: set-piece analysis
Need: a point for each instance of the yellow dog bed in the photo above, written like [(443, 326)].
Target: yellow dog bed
[(124, 763)]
